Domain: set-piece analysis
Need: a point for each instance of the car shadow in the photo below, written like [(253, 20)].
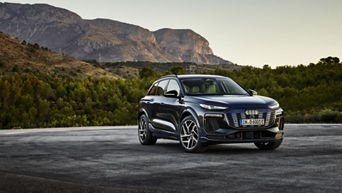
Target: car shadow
[(231, 149), (212, 149)]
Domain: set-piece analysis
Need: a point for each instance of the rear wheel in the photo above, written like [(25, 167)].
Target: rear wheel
[(189, 135), (144, 134), (269, 145)]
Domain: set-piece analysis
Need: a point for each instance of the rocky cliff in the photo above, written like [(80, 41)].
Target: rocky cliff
[(102, 39)]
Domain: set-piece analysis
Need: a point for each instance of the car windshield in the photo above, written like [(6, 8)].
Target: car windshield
[(212, 86)]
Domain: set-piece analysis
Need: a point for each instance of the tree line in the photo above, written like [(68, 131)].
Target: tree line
[(31, 100), (310, 93)]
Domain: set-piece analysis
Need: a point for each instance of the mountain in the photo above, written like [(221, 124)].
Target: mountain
[(186, 45), (102, 39), (17, 56)]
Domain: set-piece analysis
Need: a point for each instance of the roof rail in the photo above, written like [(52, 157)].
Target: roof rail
[(171, 75)]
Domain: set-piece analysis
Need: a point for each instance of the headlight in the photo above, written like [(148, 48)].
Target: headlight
[(278, 111), (212, 107), (274, 106)]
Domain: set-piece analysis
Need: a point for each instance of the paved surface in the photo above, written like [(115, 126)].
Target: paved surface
[(309, 160)]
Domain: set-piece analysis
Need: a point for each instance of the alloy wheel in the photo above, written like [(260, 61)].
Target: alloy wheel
[(142, 128), (189, 134)]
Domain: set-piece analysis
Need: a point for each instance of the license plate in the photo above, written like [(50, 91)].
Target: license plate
[(252, 122)]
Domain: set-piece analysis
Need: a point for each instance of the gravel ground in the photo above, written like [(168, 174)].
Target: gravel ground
[(110, 159)]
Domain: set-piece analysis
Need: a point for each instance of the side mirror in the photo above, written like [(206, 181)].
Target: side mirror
[(252, 92), (171, 93)]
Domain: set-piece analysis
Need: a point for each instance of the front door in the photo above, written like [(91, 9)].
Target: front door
[(158, 120), (170, 107)]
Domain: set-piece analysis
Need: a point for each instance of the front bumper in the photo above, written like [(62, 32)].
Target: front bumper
[(245, 136), (223, 129)]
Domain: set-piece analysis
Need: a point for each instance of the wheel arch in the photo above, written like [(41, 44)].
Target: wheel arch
[(190, 112), (142, 112)]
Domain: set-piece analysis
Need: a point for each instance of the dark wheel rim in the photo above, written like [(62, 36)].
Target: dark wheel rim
[(189, 134), (142, 128)]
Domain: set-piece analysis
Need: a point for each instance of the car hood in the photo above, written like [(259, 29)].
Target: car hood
[(234, 100)]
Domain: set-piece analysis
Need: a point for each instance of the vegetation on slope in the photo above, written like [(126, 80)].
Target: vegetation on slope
[(22, 57), (310, 93), (28, 100)]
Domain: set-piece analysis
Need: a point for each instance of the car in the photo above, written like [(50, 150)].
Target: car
[(201, 110)]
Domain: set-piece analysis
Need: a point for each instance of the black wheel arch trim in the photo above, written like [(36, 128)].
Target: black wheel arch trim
[(143, 111), (193, 114)]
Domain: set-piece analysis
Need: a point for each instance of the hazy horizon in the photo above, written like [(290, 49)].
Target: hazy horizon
[(246, 32)]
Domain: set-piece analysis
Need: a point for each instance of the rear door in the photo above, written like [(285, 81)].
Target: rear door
[(149, 101)]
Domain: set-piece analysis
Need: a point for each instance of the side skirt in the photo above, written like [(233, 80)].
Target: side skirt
[(162, 133)]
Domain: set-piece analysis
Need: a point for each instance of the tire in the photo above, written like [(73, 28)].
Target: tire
[(144, 134), (269, 145), (189, 136)]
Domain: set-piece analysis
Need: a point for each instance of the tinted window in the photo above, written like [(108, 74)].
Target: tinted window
[(212, 86), (153, 90), (173, 85), (161, 87)]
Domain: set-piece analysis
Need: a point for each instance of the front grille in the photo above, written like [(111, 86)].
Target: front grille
[(235, 116)]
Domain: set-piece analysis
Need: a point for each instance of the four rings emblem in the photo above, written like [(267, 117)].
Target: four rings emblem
[(251, 112)]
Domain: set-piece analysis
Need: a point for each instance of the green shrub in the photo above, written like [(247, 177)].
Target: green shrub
[(306, 93), (330, 116)]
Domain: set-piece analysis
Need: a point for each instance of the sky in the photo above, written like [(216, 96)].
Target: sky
[(246, 32)]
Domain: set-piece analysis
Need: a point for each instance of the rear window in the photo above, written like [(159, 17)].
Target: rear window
[(153, 89), (161, 87), (158, 88)]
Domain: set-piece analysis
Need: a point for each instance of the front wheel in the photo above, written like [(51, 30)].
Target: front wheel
[(144, 134), (189, 135), (269, 145)]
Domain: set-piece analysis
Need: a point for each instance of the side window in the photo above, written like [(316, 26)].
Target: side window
[(153, 90), (173, 85), (161, 87)]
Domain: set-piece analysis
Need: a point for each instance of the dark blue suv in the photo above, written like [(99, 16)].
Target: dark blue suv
[(199, 110)]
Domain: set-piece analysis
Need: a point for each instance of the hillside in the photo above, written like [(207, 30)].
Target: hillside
[(102, 39), (16, 56), (310, 93)]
